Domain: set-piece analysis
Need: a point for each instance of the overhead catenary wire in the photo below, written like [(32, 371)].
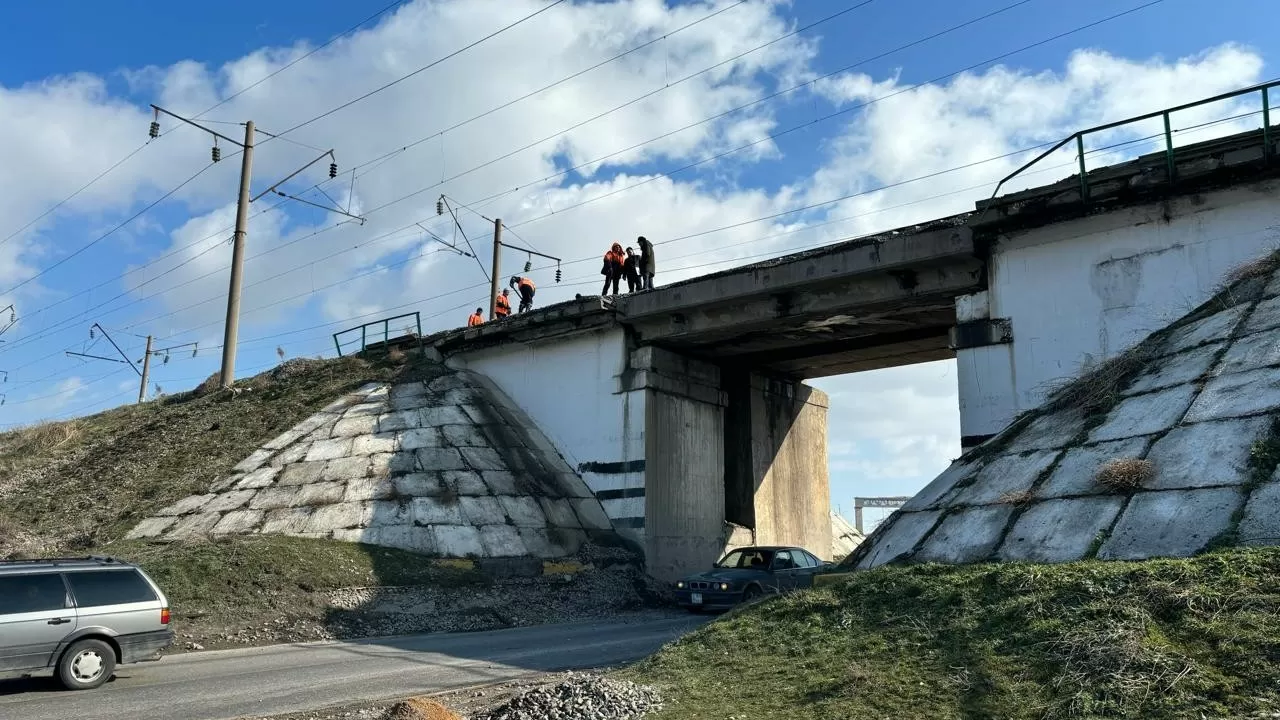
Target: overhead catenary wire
[(1105, 150), (631, 102), (572, 76), (841, 112), (1132, 10), (220, 103), (388, 155), (424, 68), (315, 50), (44, 271)]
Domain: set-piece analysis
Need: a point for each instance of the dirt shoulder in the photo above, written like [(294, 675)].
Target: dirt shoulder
[(263, 590)]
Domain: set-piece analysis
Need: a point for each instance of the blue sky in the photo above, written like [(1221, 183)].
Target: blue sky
[(75, 84)]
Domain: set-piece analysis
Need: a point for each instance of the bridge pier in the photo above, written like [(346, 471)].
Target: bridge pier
[(726, 449), (984, 370), (687, 458)]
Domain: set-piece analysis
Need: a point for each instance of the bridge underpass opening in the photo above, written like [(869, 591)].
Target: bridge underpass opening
[(890, 431)]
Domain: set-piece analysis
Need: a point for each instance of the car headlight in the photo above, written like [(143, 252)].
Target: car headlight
[(724, 586), (680, 585)]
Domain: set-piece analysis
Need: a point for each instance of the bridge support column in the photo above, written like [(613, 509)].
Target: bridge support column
[(684, 461), (789, 452), (984, 370)]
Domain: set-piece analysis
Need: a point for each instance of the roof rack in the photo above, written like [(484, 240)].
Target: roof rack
[(61, 560)]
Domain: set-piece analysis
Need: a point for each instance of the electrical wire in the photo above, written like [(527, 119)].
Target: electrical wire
[(326, 44), (1106, 150), (561, 81), (631, 102), (73, 195), (428, 66), (839, 113), (386, 156), (1078, 29), (110, 232)]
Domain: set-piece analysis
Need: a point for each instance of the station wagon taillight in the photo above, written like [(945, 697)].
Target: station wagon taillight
[(164, 616)]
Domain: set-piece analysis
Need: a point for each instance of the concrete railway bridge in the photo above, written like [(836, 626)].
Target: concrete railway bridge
[(685, 408)]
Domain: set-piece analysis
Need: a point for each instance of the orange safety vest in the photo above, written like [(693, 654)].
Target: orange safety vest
[(503, 306), (524, 281), (475, 319)]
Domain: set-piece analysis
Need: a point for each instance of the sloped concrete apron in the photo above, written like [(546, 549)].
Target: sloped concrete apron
[(449, 468), (1032, 494)]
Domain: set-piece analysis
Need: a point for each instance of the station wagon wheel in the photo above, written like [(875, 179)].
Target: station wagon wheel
[(87, 664)]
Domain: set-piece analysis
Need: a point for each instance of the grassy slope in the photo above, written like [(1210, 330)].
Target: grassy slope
[(83, 483), (1154, 639)]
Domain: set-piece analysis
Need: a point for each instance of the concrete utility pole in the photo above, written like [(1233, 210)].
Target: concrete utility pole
[(228, 373), (146, 372), (494, 273), (229, 337)]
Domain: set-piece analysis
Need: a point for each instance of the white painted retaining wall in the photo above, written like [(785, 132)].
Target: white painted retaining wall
[(1085, 290), (570, 388)]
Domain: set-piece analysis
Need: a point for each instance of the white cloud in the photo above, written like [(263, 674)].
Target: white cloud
[(63, 393), (895, 428)]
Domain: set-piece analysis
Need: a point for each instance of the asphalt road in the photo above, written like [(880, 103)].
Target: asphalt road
[(289, 678)]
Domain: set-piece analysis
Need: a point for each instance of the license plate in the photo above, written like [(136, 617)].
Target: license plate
[(697, 598)]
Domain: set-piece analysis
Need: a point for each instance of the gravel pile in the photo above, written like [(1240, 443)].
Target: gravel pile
[(579, 698)]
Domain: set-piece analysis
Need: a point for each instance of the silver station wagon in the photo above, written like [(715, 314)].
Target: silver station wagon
[(79, 618)]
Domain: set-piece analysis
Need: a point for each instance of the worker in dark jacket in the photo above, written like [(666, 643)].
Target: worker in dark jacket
[(526, 288), (631, 270), (612, 269), (648, 266)]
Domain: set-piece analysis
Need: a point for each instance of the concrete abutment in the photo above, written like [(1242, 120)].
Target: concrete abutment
[(687, 458)]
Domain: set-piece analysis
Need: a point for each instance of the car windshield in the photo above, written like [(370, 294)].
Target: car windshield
[(747, 558)]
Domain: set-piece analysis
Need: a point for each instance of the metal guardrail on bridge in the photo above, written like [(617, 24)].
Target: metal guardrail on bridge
[(1267, 135), (383, 337)]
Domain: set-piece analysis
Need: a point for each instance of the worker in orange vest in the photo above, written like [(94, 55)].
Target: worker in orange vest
[(526, 288), (502, 306), (612, 269), (477, 318)]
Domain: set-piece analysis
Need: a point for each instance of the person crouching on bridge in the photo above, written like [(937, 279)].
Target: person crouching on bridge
[(477, 318), (526, 288), (502, 304), (612, 269)]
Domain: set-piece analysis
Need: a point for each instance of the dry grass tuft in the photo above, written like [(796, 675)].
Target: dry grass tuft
[(1125, 474), (396, 355), (41, 437), (1260, 267), (210, 384), (1019, 497), (1098, 389)]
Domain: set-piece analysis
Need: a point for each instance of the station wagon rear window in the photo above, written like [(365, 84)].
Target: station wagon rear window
[(96, 588), (32, 593)]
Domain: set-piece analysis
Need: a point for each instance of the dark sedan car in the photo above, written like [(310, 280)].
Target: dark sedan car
[(746, 574)]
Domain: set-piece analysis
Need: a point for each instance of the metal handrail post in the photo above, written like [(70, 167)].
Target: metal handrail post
[(1084, 181), (1266, 124), (1168, 148)]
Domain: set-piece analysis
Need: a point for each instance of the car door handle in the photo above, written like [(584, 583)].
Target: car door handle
[(58, 621)]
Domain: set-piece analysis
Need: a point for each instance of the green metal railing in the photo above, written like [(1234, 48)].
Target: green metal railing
[(1171, 166), (386, 335)]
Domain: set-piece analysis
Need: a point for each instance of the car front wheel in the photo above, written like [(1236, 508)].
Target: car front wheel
[(86, 665), (751, 593)]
